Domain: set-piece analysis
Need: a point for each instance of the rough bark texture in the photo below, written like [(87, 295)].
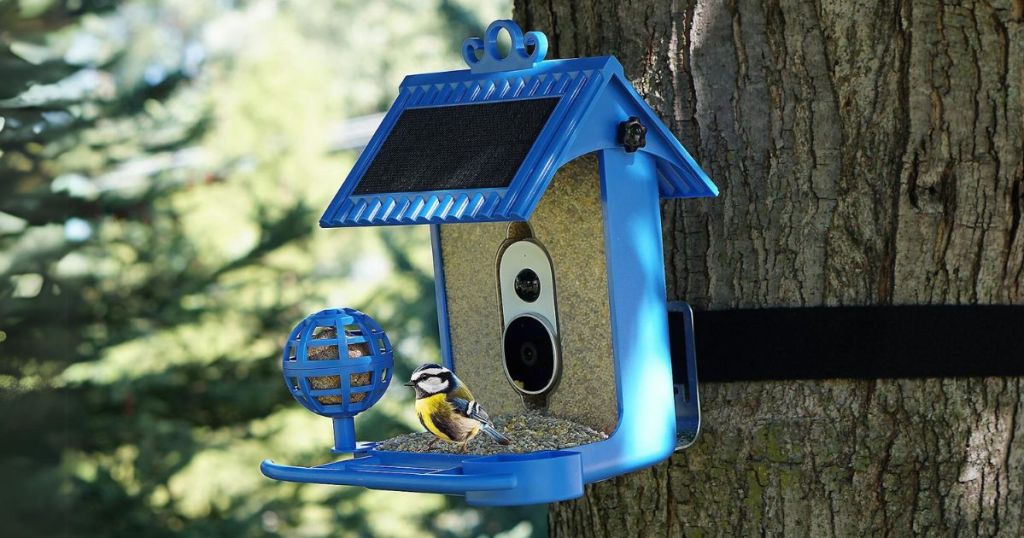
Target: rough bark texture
[(867, 153)]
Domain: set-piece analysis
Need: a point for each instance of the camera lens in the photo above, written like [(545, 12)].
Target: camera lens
[(527, 285), (530, 354)]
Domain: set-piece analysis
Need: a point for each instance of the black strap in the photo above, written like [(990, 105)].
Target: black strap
[(859, 342)]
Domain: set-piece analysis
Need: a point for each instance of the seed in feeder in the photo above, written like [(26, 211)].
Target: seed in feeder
[(330, 352), (529, 432)]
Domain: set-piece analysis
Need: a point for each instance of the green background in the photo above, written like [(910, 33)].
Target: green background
[(163, 165)]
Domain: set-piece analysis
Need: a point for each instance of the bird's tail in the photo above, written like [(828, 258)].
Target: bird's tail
[(494, 434)]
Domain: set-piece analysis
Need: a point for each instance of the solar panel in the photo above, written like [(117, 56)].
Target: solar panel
[(459, 147)]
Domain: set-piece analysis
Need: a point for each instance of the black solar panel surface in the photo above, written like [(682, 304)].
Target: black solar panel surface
[(456, 147)]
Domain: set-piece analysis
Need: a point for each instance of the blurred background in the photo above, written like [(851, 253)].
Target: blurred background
[(163, 165)]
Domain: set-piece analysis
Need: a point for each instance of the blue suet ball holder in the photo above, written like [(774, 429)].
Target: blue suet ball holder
[(337, 363)]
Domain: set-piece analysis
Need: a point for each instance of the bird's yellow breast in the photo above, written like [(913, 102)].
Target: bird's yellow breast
[(427, 408)]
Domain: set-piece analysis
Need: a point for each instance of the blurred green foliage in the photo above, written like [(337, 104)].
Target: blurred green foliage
[(163, 165)]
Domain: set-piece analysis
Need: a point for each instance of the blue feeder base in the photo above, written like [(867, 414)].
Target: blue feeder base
[(515, 479), (497, 480)]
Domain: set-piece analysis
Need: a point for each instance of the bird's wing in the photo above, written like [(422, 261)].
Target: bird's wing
[(460, 390), (469, 408)]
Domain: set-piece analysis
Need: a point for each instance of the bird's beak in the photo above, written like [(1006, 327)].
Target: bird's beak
[(409, 384)]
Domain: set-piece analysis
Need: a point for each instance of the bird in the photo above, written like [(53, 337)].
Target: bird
[(447, 409)]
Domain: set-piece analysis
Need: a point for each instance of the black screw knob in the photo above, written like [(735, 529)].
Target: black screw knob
[(632, 134)]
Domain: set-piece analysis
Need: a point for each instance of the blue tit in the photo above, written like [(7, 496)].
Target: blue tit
[(447, 409)]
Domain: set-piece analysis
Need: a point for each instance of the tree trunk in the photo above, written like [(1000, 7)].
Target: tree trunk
[(867, 153)]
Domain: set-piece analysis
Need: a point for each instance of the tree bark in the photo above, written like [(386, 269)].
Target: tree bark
[(867, 153)]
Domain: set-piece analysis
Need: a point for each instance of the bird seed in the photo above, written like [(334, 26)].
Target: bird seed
[(529, 432)]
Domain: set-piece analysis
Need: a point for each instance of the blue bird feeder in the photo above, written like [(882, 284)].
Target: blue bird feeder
[(550, 290), (337, 363)]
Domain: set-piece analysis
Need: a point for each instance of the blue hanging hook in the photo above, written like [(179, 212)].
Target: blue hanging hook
[(491, 61)]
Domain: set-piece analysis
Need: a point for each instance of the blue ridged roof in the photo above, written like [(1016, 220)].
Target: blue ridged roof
[(594, 97)]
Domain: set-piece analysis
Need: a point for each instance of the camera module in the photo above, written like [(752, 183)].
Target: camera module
[(530, 354), (527, 285)]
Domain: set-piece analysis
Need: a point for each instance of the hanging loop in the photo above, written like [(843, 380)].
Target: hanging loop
[(482, 55)]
